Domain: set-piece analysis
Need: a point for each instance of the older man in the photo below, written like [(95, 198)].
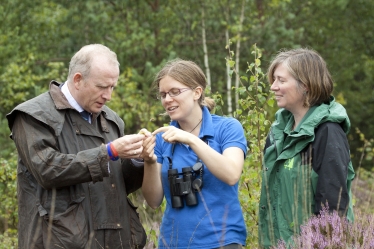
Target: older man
[(75, 166)]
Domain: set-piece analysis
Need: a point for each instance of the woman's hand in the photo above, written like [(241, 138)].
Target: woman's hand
[(148, 153), (149, 143), (173, 134), (152, 186)]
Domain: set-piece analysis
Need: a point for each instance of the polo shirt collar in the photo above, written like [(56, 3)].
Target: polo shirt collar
[(206, 129)]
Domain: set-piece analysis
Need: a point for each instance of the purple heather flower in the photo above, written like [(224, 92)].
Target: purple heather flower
[(329, 230)]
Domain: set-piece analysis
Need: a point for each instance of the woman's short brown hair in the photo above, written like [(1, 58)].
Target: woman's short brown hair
[(310, 71)]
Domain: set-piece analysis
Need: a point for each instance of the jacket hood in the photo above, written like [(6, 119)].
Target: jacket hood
[(305, 132), (316, 115)]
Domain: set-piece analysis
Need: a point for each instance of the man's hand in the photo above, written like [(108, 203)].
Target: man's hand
[(129, 146)]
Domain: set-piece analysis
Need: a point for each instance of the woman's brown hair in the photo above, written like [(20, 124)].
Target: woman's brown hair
[(310, 71), (189, 74)]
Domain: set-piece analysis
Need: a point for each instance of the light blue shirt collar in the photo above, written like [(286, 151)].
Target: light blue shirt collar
[(65, 90)]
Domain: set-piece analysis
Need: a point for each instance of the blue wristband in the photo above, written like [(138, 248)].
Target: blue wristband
[(110, 153)]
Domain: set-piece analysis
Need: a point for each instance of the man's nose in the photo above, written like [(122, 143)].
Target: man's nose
[(107, 95)]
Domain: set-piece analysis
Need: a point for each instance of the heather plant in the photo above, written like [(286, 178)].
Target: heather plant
[(329, 230)]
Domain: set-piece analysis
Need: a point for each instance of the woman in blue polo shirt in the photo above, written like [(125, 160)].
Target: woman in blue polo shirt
[(196, 163)]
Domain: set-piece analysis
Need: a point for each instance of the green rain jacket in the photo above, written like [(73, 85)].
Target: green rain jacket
[(303, 170)]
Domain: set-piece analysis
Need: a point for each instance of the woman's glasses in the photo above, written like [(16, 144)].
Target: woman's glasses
[(172, 92)]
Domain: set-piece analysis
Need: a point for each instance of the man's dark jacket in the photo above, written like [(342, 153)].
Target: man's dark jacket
[(68, 196)]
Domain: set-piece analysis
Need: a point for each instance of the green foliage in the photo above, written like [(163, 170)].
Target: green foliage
[(363, 185), (38, 38), (138, 107), (22, 84), (8, 240), (150, 218), (254, 102), (8, 203), (19, 83)]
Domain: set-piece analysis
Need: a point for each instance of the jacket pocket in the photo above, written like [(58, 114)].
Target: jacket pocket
[(138, 235), (69, 229)]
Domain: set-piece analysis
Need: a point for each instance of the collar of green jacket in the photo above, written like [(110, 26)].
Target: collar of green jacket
[(289, 143)]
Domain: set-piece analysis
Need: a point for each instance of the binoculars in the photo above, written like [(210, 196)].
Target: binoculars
[(185, 186)]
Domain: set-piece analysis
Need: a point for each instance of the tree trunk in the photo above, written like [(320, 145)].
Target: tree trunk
[(205, 49), (228, 86), (237, 56)]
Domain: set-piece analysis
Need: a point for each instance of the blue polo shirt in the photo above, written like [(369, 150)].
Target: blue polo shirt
[(217, 219)]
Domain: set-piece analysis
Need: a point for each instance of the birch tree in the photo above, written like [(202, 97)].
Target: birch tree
[(205, 49), (228, 69), (237, 55)]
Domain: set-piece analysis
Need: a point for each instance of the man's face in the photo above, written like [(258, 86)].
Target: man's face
[(94, 90)]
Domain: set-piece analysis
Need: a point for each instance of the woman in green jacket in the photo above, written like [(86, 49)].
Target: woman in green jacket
[(306, 157)]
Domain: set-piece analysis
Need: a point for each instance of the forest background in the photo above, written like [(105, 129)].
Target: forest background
[(233, 41)]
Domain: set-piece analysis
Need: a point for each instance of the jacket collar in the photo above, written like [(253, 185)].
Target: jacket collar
[(289, 143), (60, 100), (58, 97)]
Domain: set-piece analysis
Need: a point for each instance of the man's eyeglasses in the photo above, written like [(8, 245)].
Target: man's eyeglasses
[(172, 92)]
